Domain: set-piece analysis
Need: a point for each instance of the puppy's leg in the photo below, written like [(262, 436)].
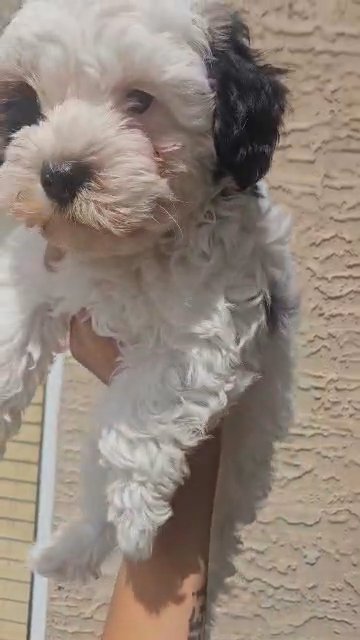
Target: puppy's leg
[(154, 416), (29, 335), (78, 549)]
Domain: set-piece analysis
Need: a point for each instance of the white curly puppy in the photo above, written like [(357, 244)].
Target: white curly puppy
[(134, 135)]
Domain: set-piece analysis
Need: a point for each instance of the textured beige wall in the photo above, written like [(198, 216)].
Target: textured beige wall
[(7, 8), (299, 574)]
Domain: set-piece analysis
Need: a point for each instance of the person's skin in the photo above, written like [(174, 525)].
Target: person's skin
[(165, 597)]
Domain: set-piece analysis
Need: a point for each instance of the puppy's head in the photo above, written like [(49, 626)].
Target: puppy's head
[(117, 116)]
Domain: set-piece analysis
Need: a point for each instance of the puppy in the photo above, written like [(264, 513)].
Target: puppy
[(134, 137)]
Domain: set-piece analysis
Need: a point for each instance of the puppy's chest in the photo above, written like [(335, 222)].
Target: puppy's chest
[(113, 300), (136, 306), (161, 303), (120, 309)]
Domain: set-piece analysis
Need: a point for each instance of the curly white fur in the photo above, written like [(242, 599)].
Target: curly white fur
[(178, 268)]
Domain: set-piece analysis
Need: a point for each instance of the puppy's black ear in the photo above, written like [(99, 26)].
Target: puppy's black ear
[(250, 105)]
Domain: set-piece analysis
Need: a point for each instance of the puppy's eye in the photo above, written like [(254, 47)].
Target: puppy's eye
[(19, 107), (139, 101)]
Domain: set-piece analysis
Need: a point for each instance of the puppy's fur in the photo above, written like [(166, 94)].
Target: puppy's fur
[(172, 247)]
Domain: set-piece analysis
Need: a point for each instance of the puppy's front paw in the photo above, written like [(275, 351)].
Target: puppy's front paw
[(76, 553), (137, 514), (134, 539)]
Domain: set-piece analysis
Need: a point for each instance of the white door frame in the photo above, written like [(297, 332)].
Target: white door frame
[(46, 494)]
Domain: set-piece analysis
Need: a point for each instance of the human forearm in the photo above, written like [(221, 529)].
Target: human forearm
[(165, 597)]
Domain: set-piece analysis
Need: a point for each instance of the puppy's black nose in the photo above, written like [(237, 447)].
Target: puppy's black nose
[(62, 181)]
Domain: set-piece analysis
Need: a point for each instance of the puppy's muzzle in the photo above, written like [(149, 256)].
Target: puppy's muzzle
[(105, 177), (63, 181)]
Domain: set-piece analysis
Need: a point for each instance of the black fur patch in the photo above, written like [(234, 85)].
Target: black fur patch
[(20, 108), (250, 105), (280, 310)]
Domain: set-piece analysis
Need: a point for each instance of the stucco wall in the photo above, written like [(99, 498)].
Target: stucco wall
[(7, 9), (299, 574)]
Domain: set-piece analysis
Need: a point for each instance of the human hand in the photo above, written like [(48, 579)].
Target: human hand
[(99, 355)]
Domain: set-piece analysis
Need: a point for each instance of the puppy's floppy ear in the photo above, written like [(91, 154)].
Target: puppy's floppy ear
[(250, 104)]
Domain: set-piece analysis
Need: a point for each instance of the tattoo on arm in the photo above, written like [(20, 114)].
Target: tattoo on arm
[(197, 619)]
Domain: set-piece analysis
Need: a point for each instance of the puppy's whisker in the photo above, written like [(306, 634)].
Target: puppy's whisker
[(154, 219), (175, 221)]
